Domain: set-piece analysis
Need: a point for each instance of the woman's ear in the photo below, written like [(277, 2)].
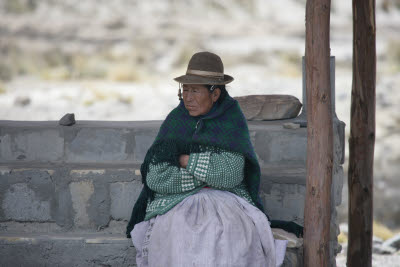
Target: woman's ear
[(215, 94)]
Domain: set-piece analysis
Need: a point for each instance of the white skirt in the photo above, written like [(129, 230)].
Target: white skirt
[(209, 228)]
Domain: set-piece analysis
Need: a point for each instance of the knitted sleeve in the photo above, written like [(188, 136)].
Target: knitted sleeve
[(167, 179), (219, 168)]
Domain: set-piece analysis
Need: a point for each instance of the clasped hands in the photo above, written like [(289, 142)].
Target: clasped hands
[(183, 160)]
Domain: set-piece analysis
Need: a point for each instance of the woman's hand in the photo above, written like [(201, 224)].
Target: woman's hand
[(183, 160)]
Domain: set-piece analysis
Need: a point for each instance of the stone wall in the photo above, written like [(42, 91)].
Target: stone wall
[(74, 186)]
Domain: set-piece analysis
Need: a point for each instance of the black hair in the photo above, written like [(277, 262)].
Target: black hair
[(221, 87)]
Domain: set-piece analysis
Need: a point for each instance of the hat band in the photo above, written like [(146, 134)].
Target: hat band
[(205, 73)]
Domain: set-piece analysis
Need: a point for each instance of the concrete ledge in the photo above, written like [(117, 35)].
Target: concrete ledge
[(83, 250)]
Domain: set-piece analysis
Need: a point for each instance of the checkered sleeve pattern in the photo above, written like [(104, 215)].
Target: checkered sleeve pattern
[(166, 179), (188, 181), (198, 165), (219, 168)]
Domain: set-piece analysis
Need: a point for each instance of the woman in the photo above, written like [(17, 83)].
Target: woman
[(200, 204)]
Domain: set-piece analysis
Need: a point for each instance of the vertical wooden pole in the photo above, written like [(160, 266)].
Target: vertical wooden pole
[(362, 135), (317, 213)]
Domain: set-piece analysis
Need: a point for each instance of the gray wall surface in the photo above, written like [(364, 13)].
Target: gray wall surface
[(68, 182)]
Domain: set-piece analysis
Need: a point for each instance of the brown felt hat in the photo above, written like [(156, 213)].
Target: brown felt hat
[(205, 68)]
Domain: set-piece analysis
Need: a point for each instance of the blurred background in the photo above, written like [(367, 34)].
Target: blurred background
[(115, 60)]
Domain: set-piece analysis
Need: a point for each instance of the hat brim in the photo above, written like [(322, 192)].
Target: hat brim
[(195, 79)]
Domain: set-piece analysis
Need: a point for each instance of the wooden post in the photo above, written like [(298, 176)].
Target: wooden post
[(362, 135), (317, 213)]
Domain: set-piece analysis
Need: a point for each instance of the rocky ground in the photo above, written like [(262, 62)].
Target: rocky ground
[(377, 260), (386, 247), (115, 60)]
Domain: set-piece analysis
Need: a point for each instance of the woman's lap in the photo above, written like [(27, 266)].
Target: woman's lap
[(210, 228)]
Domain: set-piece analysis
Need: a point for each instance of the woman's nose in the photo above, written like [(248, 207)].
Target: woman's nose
[(189, 96)]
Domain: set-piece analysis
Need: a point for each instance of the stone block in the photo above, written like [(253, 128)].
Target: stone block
[(64, 213), (285, 202), (338, 142), (123, 197), (99, 205), (337, 185), (281, 146), (38, 178), (142, 144), (294, 204), (32, 145), (334, 227), (97, 146), (21, 203), (80, 195)]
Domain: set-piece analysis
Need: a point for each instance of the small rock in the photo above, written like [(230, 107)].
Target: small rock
[(269, 107), (344, 249), (303, 124), (115, 24), (21, 157), (338, 248), (383, 250), (291, 125), (67, 120), (22, 101), (377, 240), (393, 242)]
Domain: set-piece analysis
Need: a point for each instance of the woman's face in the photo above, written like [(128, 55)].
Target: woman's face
[(198, 100)]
